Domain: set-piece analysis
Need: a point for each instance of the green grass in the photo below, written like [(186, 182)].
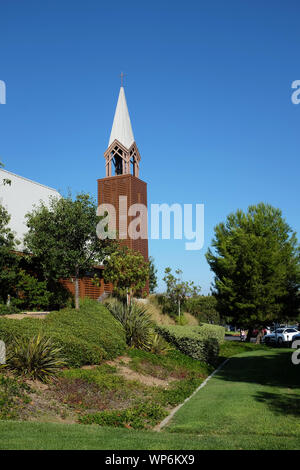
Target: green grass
[(253, 403), (255, 396), (232, 348)]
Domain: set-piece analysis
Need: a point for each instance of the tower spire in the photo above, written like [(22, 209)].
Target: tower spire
[(122, 156), (121, 128)]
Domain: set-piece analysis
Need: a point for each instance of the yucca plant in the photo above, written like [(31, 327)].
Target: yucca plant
[(158, 345), (136, 322), (36, 357)]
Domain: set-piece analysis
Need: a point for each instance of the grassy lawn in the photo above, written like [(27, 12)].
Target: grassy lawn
[(50, 436), (253, 403)]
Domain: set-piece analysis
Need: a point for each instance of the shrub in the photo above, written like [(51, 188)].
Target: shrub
[(207, 331), (142, 416), (203, 331), (200, 343), (158, 345), (86, 336), (37, 357), (61, 297), (136, 322), (8, 310), (32, 294)]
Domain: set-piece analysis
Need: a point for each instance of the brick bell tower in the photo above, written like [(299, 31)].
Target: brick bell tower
[(122, 163)]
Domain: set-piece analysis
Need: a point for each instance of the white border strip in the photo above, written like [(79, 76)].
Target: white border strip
[(161, 425)]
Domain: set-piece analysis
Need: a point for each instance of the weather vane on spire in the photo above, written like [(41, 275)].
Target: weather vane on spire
[(122, 78)]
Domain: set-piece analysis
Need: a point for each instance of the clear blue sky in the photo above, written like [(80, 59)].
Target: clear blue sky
[(208, 87)]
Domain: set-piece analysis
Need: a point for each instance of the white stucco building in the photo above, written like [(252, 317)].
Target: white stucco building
[(20, 197)]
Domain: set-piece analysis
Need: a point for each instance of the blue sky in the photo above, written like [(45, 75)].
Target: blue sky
[(208, 86)]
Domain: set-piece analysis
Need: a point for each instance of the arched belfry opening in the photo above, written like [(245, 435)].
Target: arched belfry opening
[(120, 161)]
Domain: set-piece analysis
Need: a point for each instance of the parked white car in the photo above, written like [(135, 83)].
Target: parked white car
[(281, 335)]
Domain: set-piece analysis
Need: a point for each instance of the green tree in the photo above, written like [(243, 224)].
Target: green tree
[(204, 307), (255, 257), (8, 258), (177, 289), (152, 276), (127, 270), (62, 236)]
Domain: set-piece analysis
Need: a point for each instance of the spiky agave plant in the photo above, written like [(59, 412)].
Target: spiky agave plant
[(139, 326), (136, 322), (36, 357), (159, 345)]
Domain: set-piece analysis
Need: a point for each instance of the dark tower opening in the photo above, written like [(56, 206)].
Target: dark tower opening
[(133, 163), (118, 163)]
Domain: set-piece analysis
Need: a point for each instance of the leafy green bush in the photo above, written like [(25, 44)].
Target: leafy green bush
[(8, 310), (200, 343), (32, 293), (207, 331), (136, 322), (86, 336), (37, 357), (143, 416), (203, 331)]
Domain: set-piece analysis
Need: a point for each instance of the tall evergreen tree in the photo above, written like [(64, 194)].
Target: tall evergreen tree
[(256, 260)]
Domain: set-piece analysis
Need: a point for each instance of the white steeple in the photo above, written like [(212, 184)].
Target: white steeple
[(121, 129)]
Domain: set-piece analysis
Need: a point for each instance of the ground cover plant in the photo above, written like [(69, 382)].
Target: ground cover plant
[(87, 336), (13, 396), (103, 395)]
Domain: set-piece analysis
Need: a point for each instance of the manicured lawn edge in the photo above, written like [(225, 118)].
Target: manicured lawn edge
[(172, 413)]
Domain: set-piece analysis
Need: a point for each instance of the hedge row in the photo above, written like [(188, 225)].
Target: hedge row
[(203, 331), (212, 331), (199, 342), (86, 336)]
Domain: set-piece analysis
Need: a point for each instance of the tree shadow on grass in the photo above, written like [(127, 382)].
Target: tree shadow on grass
[(281, 403), (274, 369)]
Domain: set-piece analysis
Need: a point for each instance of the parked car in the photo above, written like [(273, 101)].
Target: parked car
[(281, 335)]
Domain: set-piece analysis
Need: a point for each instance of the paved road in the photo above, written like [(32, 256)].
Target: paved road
[(237, 338)]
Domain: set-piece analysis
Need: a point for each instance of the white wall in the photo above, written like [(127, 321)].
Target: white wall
[(19, 198)]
